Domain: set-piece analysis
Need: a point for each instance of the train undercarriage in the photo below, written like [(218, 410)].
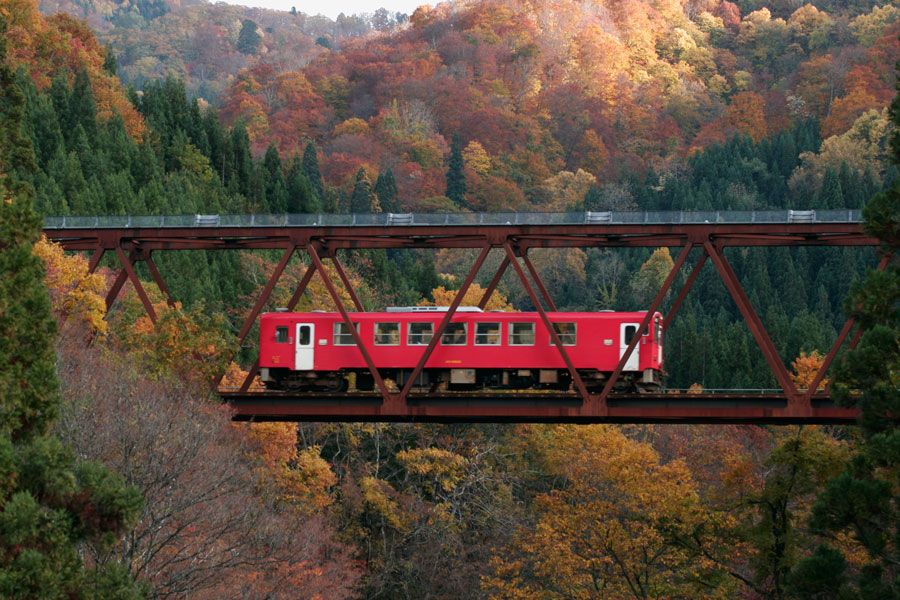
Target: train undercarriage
[(461, 380)]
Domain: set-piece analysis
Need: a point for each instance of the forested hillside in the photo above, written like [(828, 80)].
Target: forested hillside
[(487, 105), (206, 44)]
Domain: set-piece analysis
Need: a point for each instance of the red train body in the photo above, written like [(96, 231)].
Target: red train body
[(498, 350)]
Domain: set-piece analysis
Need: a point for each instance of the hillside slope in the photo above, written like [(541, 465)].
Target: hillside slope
[(599, 90)]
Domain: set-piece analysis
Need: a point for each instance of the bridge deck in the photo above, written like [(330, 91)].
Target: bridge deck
[(531, 407)]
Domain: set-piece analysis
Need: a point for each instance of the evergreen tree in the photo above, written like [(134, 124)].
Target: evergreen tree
[(82, 109), (830, 195), (456, 177), (363, 200), (249, 38), (863, 499), (311, 170), (276, 189), (50, 504), (109, 61), (301, 196), (386, 190)]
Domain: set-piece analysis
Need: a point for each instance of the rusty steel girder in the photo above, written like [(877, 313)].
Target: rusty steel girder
[(132, 245)]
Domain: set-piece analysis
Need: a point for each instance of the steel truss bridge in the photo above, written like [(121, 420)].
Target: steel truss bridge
[(701, 236)]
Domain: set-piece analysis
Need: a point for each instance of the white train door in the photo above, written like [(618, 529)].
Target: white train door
[(303, 359), (628, 331)]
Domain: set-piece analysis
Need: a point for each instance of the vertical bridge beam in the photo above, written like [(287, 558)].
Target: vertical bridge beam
[(651, 310)]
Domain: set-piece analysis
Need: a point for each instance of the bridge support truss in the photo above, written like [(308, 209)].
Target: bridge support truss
[(706, 242)]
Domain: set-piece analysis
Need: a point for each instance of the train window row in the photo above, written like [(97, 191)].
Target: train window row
[(456, 334)]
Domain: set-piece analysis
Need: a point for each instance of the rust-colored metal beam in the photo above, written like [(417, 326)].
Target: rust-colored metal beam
[(845, 330), (495, 281), (94, 262), (157, 278), (346, 281), (436, 337), (301, 287), (451, 407), (116, 288), (763, 341), (129, 270), (683, 292), (388, 404), (645, 322), (537, 281), (587, 405), (250, 319)]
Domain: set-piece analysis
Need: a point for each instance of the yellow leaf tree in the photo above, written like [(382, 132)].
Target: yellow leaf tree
[(73, 292), (604, 530)]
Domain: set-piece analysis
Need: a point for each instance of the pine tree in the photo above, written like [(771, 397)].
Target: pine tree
[(831, 195), (301, 196), (276, 189), (249, 38), (82, 108), (456, 177), (863, 499), (363, 200), (50, 504), (386, 190), (311, 170)]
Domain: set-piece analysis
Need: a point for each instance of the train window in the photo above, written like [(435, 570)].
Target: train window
[(567, 332), (487, 334), (521, 334), (630, 330), (387, 334), (420, 334), (281, 335), (342, 334), (305, 334), (658, 330), (454, 335)]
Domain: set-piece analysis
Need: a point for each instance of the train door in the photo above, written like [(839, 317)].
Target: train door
[(303, 359), (628, 331)]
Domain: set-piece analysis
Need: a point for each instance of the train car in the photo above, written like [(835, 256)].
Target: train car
[(478, 350)]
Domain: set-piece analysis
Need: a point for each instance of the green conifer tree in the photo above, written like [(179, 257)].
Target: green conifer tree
[(249, 38), (301, 196), (456, 177), (311, 170), (363, 200), (386, 190), (863, 499), (275, 186), (831, 195), (50, 504)]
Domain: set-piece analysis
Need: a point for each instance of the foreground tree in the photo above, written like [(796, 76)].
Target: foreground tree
[(50, 503), (603, 529), (863, 500)]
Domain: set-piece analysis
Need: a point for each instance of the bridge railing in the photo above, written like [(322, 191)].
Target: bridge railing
[(455, 219)]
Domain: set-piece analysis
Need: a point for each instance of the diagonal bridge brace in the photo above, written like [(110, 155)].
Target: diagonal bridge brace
[(573, 372), (439, 332), (389, 403), (798, 405), (651, 310), (845, 331)]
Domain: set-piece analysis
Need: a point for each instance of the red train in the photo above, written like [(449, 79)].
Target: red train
[(478, 350)]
